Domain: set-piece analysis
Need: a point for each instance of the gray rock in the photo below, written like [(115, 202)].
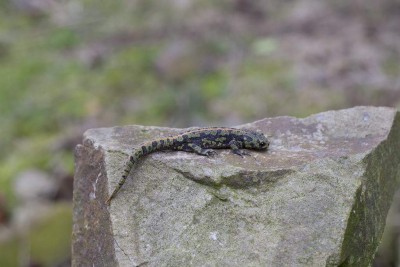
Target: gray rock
[(318, 197), (34, 185)]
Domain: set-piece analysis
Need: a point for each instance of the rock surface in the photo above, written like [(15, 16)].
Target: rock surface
[(318, 197)]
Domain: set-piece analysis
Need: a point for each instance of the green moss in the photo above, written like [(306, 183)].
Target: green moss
[(9, 253), (51, 239), (391, 66), (62, 38), (214, 85), (48, 241)]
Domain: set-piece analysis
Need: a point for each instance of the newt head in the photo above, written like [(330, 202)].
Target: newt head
[(255, 140)]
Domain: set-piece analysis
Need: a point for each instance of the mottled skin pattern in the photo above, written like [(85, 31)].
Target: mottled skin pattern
[(200, 141)]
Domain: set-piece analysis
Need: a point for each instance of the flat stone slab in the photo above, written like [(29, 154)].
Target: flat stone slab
[(318, 197)]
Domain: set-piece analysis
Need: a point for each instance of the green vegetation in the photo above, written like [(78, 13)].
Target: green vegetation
[(79, 64), (47, 241)]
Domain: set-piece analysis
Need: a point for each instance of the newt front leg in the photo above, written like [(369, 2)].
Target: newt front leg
[(235, 147)]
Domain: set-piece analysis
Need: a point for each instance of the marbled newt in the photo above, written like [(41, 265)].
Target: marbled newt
[(200, 141)]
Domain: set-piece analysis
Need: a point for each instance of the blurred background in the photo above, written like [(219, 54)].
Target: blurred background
[(67, 66)]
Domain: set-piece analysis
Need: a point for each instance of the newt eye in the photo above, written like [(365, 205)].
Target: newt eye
[(263, 144)]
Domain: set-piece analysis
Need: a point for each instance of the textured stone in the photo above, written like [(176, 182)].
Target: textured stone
[(318, 197)]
